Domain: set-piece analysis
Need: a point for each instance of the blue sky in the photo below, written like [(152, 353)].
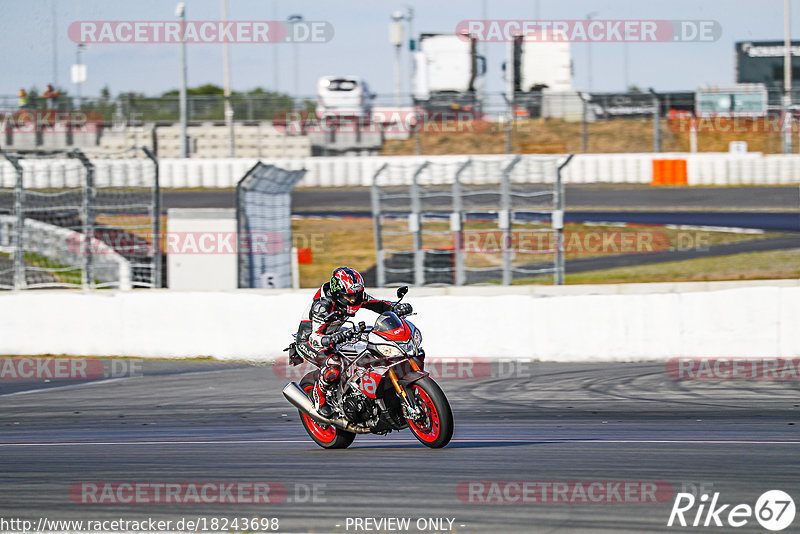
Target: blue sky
[(361, 44)]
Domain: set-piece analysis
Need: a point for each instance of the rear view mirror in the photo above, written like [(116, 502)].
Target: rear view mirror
[(401, 291)]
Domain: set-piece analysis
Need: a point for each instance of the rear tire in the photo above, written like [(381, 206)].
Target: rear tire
[(436, 430), (327, 437)]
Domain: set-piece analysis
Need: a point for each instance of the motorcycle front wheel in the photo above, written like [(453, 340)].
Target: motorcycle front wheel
[(326, 436), (435, 427)]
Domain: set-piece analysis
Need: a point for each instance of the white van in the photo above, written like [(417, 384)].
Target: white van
[(343, 96)]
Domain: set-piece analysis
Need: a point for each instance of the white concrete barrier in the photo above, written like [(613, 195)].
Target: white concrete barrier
[(573, 323), (702, 169)]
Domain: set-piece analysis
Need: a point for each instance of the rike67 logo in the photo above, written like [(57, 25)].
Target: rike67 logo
[(774, 510)]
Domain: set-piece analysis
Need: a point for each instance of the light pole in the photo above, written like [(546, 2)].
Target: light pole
[(294, 19), (275, 57), (180, 11), (589, 16), (625, 63), (55, 47), (396, 39), (79, 72), (787, 76), (226, 68), (411, 38)]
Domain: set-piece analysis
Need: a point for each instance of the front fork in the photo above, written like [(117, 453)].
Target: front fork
[(410, 409)]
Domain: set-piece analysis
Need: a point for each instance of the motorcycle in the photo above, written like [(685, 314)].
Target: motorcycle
[(383, 387)]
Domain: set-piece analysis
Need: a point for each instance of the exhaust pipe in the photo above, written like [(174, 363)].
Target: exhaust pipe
[(298, 398)]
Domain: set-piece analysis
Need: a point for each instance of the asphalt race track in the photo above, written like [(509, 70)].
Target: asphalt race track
[(214, 421), (603, 197)]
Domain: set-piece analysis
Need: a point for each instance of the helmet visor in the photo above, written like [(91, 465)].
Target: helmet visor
[(353, 299)]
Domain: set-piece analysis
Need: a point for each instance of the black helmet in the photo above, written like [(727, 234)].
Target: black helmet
[(347, 288)]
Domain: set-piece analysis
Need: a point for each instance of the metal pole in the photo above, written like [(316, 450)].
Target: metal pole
[(504, 220), (19, 224), (558, 222), (294, 19), (55, 46), (656, 122), (375, 194), (157, 255), (397, 75), (787, 77), (275, 57), (415, 226), (589, 16), (78, 83), (181, 12), (510, 118), (87, 216), (457, 224), (584, 127), (226, 67), (625, 65)]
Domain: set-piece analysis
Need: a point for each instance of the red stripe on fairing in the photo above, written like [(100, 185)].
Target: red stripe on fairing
[(318, 294), (398, 334)]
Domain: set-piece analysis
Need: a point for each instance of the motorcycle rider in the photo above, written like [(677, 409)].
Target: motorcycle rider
[(318, 334)]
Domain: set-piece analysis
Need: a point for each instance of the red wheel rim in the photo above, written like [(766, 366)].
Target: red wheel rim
[(426, 435), (325, 435)]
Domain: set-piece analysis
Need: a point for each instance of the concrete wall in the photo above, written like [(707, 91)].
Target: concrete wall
[(703, 169), (576, 323)]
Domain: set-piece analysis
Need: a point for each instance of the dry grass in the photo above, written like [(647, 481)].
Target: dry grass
[(748, 266), (618, 135), (334, 243), (337, 242)]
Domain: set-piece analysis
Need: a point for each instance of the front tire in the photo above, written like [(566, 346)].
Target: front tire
[(435, 428), (327, 437)]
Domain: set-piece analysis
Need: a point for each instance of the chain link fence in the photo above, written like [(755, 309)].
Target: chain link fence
[(473, 231), (264, 227), (61, 227), (534, 122)]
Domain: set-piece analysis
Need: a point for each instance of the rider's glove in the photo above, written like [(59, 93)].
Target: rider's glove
[(403, 308), (335, 338)]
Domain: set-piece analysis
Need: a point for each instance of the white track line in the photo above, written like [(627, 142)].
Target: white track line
[(396, 440), (67, 386)]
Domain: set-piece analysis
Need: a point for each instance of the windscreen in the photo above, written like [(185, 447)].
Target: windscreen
[(387, 321), (342, 85)]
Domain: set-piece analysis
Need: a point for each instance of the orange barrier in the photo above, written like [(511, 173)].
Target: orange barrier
[(669, 172), (304, 256)]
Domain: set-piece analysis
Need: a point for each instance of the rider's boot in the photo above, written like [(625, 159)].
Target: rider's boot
[(320, 394), (328, 378)]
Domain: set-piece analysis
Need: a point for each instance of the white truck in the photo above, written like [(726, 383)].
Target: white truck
[(534, 69), (448, 72)]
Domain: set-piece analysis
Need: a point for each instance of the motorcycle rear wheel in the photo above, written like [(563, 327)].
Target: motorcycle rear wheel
[(327, 437)]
